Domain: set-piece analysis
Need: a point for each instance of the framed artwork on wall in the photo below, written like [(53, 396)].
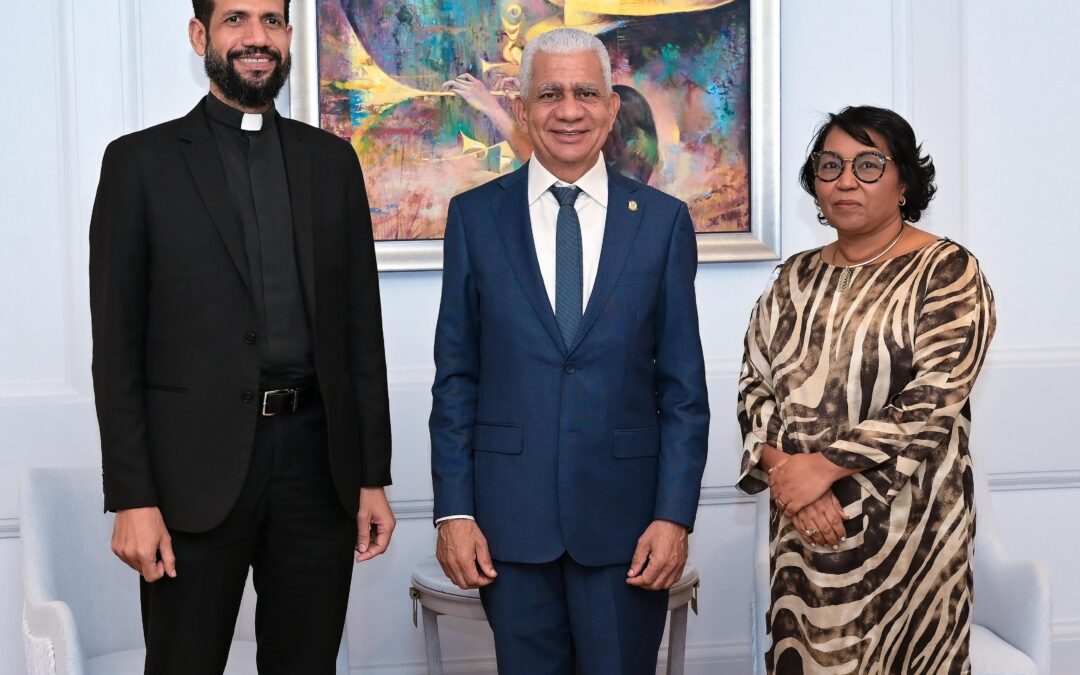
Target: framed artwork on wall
[(422, 92)]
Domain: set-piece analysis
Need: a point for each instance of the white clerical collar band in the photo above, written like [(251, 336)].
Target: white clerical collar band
[(252, 122)]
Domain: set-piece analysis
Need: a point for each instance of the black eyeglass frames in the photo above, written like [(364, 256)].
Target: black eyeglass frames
[(868, 166)]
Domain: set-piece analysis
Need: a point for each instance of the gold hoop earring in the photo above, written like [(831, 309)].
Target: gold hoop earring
[(903, 200)]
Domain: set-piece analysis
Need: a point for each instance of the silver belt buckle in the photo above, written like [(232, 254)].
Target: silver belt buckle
[(267, 394)]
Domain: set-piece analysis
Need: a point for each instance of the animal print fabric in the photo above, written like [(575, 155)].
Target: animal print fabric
[(877, 377)]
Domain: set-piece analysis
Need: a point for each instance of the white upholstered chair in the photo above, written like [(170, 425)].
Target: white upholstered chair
[(1011, 630), (81, 607)]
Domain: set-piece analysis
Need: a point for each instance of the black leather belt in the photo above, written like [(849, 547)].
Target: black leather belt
[(286, 401)]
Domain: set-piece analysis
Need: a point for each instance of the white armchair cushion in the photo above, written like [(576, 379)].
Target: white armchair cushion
[(81, 607), (990, 655), (1011, 614)]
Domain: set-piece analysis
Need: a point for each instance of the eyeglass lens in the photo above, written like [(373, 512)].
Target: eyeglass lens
[(867, 166)]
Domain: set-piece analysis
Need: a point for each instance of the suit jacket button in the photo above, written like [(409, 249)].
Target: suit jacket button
[(247, 397), (570, 368), (250, 337)]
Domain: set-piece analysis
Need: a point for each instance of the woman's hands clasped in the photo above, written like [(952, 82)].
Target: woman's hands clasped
[(801, 479), (800, 486), (822, 522)]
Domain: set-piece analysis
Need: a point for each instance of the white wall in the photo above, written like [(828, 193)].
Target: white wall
[(986, 85)]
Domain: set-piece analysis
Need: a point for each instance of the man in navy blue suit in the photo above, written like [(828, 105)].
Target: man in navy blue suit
[(569, 425)]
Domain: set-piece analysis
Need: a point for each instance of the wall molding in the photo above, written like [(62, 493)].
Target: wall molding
[(131, 64), (997, 357), (902, 58), (70, 231), (15, 393), (9, 528), (1034, 480), (727, 495), (1032, 357)]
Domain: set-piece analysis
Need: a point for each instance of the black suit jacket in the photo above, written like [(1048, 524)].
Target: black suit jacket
[(175, 377)]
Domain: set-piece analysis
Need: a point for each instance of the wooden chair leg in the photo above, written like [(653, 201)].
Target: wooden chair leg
[(676, 651), (431, 642)]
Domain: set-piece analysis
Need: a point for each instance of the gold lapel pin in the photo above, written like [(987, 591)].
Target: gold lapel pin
[(632, 205)]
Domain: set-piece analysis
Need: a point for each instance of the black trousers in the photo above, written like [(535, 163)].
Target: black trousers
[(289, 528)]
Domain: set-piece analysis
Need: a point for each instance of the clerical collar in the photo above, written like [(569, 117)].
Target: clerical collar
[(224, 113)]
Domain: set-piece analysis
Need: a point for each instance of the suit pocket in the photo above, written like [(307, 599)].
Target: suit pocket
[(501, 438), (165, 387), (636, 443)]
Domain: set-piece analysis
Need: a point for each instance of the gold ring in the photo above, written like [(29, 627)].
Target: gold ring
[(810, 532)]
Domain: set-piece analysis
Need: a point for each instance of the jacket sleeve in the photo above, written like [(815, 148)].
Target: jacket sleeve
[(759, 416), (680, 381), (367, 356), (118, 309), (457, 370)]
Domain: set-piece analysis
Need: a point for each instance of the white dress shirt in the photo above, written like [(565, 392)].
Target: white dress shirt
[(591, 207)]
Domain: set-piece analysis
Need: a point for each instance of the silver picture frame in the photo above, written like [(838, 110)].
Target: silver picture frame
[(762, 242)]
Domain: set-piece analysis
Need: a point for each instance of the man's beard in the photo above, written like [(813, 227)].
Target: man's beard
[(223, 73)]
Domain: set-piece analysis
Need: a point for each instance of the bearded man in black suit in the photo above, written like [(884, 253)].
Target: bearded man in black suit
[(238, 364)]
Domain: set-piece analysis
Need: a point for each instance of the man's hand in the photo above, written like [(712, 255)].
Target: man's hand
[(660, 556), (824, 520), (373, 520), (138, 536), (462, 550), (801, 480)]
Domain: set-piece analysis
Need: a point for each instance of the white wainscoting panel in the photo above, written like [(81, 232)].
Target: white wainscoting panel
[(987, 86)]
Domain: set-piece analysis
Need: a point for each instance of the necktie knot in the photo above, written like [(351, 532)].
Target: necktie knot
[(566, 196)]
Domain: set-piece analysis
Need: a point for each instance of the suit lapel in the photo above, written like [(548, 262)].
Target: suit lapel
[(515, 227), (204, 162), (298, 170), (620, 228)]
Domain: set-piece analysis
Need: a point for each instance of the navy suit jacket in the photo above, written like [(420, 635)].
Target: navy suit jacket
[(573, 449)]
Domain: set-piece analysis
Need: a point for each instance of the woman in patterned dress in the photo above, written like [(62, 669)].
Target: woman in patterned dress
[(853, 402)]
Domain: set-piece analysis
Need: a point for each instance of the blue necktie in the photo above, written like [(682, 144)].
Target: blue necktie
[(568, 282)]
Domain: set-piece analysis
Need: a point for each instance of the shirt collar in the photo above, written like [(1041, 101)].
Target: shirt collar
[(594, 183), (224, 113)]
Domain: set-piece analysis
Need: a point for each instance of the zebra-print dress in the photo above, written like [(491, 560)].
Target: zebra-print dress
[(877, 378)]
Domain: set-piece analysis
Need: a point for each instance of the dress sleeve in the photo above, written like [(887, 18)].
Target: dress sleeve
[(759, 418), (952, 332)]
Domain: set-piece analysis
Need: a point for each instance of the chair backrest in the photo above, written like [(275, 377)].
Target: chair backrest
[(66, 557), (987, 544)]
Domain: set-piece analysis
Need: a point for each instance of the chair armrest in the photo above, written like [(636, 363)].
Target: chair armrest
[(51, 624), (1013, 600), (761, 597)]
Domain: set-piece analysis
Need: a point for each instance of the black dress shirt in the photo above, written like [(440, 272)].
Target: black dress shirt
[(257, 181)]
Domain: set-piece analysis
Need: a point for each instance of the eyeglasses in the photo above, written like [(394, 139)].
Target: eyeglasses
[(868, 166)]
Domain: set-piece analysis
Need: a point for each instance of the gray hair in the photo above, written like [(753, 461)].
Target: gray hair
[(563, 41)]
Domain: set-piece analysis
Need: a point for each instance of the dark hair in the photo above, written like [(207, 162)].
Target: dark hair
[(916, 170), (631, 147), (204, 9)]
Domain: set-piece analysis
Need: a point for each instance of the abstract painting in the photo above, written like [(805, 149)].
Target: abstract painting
[(422, 91)]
